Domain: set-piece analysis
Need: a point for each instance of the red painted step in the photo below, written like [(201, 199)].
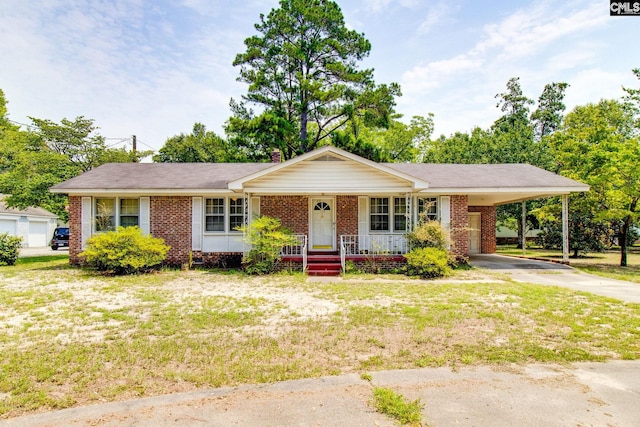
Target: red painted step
[(323, 264)]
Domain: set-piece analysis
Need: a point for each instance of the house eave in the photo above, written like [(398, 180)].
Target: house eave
[(543, 191), (97, 192)]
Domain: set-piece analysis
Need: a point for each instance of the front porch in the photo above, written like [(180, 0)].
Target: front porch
[(380, 251)]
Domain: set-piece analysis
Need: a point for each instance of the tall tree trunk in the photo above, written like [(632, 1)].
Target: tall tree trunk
[(622, 240), (303, 131)]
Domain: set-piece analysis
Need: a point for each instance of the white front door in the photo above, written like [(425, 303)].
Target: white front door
[(322, 224), (474, 233)]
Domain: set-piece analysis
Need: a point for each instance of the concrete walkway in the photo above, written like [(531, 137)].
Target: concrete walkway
[(587, 394), (548, 273)]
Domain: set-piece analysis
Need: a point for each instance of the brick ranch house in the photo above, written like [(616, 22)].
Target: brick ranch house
[(341, 206)]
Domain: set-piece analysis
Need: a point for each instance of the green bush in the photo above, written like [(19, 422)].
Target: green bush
[(124, 251), (428, 263), (9, 248), (267, 237), (428, 234)]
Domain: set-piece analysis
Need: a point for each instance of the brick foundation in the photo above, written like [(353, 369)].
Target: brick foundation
[(218, 259)]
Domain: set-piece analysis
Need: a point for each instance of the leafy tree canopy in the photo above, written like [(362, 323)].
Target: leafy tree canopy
[(34, 160), (302, 72), (200, 145), (598, 145)]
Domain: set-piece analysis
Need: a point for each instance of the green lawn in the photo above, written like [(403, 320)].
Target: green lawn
[(68, 337), (605, 264)]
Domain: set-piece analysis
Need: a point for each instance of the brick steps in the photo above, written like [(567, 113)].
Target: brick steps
[(324, 264)]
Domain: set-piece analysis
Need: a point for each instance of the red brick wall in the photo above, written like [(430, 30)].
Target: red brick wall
[(487, 228), (459, 226), (75, 229), (292, 211), (346, 216), (170, 219)]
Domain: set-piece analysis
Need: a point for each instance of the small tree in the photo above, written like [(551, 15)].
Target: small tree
[(9, 249), (124, 251), (267, 237)]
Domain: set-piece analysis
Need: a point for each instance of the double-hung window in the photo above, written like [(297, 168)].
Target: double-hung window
[(427, 208), (399, 214), (236, 213), (379, 214), (129, 212), (111, 212), (105, 214), (222, 214), (214, 214)]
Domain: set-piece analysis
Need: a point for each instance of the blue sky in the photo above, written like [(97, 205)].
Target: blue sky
[(154, 68)]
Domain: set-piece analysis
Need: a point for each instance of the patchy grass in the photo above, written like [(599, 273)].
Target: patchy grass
[(606, 264), (69, 338), (394, 405)]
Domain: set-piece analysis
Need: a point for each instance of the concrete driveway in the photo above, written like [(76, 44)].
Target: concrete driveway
[(549, 273)]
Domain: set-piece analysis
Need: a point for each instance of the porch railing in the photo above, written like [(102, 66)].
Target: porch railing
[(297, 249), (372, 244)]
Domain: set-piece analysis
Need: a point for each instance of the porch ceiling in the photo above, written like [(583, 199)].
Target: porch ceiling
[(498, 197)]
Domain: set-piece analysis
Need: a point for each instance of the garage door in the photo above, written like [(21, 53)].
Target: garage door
[(37, 234), (8, 226)]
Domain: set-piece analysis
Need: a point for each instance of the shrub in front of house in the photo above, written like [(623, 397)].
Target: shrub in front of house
[(267, 237), (429, 257), (428, 263), (124, 251), (428, 234), (9, 248)]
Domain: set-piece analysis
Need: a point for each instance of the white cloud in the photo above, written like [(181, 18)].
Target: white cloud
[(530, 30), (432, 75), (437, 15)]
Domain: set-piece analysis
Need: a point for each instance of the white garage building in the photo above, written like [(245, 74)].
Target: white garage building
[(34, 225)]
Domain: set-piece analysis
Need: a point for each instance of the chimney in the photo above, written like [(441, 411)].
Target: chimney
[(275, 156)]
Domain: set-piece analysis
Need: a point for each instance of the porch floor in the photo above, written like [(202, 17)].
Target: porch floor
[(327, 263)]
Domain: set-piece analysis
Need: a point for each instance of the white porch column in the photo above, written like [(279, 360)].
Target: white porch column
[(524, 227), (565, 228)]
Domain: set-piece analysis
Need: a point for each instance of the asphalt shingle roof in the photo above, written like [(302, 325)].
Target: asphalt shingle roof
[(483, 175), (216, 176), (161, 176)]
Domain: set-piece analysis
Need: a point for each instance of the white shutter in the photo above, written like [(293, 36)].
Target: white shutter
[(363, 221), (196, 224), (86, 220), (145, 216), (255, 208), (445, 217)]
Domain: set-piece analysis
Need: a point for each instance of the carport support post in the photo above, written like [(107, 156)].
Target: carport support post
[(565, 228), (524, 228)]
